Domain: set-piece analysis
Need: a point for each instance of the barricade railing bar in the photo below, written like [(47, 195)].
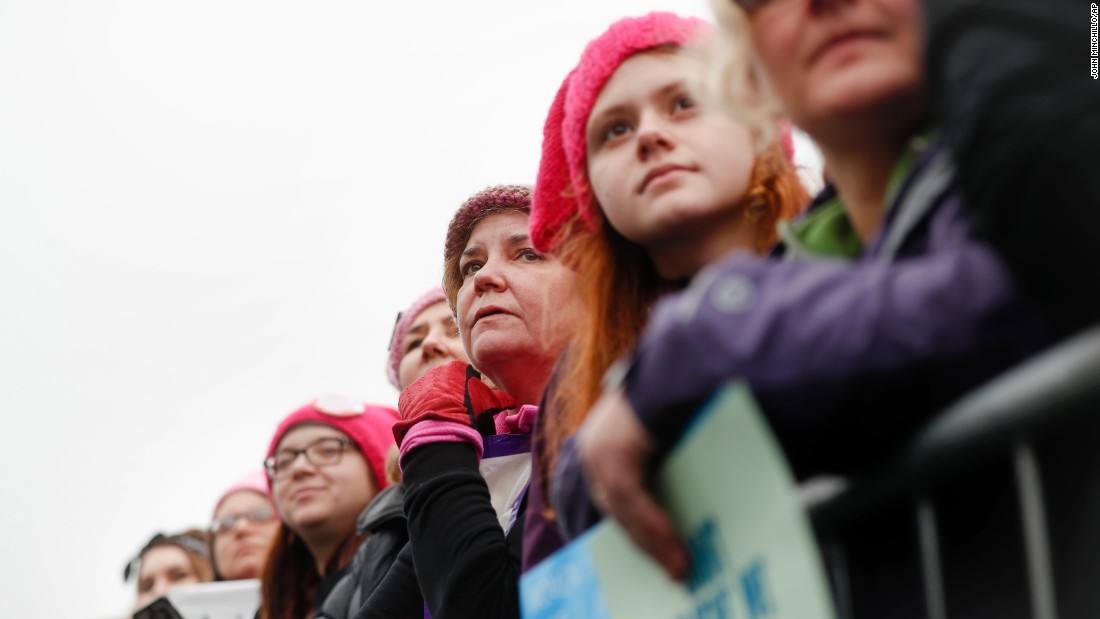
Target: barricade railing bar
[(993, 444)]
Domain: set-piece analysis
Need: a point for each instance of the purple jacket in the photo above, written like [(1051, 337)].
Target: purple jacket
[(845, 358)]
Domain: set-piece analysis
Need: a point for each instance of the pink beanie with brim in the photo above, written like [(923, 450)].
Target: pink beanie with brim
[(561, 190), (404, 322), (369, 426), (256, 481)]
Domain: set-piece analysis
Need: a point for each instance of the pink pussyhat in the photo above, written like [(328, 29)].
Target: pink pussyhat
[(369, 426), (256, 481), (560, 188)]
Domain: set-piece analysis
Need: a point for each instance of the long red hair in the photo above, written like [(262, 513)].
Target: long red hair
[(618, 284)]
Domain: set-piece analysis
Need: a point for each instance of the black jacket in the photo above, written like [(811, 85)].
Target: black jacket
[(1016, 97), (384, 521), (458, 556)]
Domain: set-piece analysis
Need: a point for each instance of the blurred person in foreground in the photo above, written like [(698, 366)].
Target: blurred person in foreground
[(848, 348), (1015, 87)]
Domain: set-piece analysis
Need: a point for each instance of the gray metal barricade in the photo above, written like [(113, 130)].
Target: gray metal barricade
[(993, 510)]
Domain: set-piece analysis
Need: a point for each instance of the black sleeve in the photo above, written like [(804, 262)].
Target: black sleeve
[(465, 564), (397, 596), (1014, 90)]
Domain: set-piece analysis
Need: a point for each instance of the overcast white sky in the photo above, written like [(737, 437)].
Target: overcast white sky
[(211, 212)]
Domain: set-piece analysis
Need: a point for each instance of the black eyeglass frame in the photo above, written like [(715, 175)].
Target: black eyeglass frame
[(271, 463), (228, 523)]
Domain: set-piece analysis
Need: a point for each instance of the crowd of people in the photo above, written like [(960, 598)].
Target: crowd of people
[(666, 247)]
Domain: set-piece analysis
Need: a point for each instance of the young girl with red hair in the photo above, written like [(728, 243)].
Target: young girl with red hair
[(645, 177)]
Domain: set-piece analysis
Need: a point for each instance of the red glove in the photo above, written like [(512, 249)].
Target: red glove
[(451, 392)]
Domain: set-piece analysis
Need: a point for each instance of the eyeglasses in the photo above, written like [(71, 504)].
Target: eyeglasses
[(226, 524), (321, 452)]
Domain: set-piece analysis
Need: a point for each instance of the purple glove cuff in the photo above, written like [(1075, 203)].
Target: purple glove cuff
[(438, 431)]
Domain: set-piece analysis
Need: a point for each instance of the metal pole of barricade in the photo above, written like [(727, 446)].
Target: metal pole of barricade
[(928, 536), (1036, 543), (836, 558)]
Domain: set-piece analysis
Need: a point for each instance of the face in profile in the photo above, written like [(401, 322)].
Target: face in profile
[(163, 567), (320, 492), (665, 162), (833, 60), (514, 303), (244, 528), (431, 341)]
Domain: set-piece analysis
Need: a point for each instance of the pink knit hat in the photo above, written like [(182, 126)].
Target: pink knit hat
[(560, 190), (404, 323), (369, 426), (256, 481)]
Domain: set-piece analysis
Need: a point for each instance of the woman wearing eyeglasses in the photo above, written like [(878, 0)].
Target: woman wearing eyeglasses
[(242, 529), (325, 464)]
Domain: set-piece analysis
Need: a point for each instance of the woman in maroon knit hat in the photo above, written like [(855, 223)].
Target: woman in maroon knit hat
[(465, 429)]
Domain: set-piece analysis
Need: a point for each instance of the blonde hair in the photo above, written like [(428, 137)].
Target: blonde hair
[(738, 78), (393, 465)]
